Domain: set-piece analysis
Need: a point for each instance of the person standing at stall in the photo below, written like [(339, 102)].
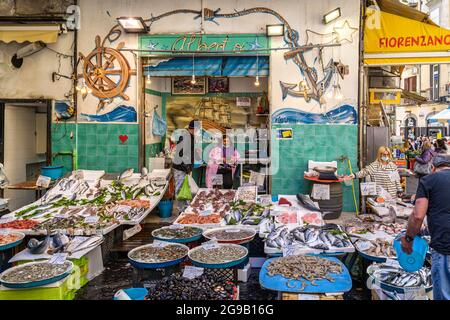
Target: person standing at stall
[(222, 160), (183, 162), (422, 166), (433, 202), (383, 172)]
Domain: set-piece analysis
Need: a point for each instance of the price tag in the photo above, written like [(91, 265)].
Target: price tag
[(122, 208), (232, 230), (43, 182), (303, 296), (368, 189), (392, 263), (212, 244), (321, 191), (78, 174), (290, 250), (191, 272), (205, 212), (91, 219), (364, 245), (58, 258), (160, 244), (175, 227)]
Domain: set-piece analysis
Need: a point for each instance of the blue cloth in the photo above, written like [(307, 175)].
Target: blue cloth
[(434, 187), (440, 273)]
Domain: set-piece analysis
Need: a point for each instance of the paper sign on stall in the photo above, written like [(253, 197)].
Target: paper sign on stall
[(160, 244), (368, 189), (43, 182), (58, 258), (321, 192), (191, 272), (217, 180)]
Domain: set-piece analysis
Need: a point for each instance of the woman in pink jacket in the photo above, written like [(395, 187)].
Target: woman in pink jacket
[(222, 160)]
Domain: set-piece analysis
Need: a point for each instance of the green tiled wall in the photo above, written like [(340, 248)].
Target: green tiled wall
[(313, 142), (99, 147)]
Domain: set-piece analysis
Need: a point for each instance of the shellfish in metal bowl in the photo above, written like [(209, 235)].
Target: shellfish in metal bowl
[(157, 255), (35, 274), (218, 255), (235, 235)]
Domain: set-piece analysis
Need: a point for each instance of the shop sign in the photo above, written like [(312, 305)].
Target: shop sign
[(204, 42)]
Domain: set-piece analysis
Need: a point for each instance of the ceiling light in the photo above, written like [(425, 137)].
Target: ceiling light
[(133, 24), (257, 81), (193, 80), (332, 15), (149, 80), (273, 30)]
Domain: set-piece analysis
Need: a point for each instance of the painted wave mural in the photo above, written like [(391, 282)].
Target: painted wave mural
[(344, 114), (119, 114)]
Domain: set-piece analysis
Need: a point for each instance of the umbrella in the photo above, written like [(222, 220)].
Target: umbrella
[(443, 115)]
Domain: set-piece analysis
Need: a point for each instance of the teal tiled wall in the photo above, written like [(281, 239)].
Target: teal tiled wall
[(99, 147), (313, 142)]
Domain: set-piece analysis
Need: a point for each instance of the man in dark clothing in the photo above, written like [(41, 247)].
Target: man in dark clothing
[(433, 201), (183, 162)]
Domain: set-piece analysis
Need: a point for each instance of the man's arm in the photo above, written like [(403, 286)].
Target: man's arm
[(415, 223)]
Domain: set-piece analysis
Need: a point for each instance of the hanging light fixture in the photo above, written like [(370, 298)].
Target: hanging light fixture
[(83, 88), (193, 80), (148, 80), (257, 71)]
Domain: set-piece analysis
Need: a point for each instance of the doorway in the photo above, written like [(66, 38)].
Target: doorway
[(25, 145)]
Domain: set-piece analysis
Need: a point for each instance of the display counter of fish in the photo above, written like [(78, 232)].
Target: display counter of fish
[(216, 201), (360, 227), (62, 243), (327, 238), (34, 271), (218, 253), (397, 277), (382, 248), (309, 268), (204, 287), (158, 254), (246, 213), (177, 232)]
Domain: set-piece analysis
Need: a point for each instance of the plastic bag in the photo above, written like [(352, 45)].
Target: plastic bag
[(185, 192), (159, 125), (193, 185)]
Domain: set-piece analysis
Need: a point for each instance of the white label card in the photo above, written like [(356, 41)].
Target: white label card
[(175, 227), (191, 272), (212, 244), (232, 230), (303, 296), (368, 189), (321, 191), (217, 180), (289, 250), (160, 244), (91, 219), (392, 262), (43, 182), (364, 245), (58, 258)]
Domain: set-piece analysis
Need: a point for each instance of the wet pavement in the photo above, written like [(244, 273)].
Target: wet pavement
[(119, 275)]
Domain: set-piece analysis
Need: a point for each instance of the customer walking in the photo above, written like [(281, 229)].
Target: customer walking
[(432, 201), (383, 172), (423, 165), (440, 147), (183, 162)]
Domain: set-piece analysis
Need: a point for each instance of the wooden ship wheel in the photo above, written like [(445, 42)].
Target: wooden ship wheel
[(106, 71)]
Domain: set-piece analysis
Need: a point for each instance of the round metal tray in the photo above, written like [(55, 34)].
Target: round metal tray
[(389, 287), (156, 265), (12, 244), (178, 240), (34, 284), (233, 241), (224, 265)]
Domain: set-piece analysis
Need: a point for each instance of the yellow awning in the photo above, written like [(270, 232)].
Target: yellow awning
[(391, 39), (29, 33)]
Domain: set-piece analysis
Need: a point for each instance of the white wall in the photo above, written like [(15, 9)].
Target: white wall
[(20, 149), (34, 78), (299, 13)]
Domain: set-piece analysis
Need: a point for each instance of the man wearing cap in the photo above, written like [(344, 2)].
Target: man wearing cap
[(433, 201), (183, 162)]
